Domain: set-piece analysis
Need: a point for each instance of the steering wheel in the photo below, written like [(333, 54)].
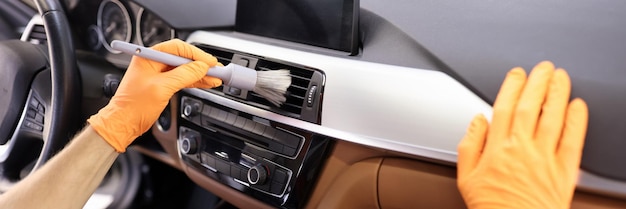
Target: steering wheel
[(39, 96)]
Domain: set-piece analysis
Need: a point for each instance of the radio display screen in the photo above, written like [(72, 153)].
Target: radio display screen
[(330, 24)]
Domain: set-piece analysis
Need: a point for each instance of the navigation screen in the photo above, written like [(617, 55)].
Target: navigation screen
[(325, 23)]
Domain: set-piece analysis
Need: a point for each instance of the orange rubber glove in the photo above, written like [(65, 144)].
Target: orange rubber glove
[(530, 155), (146, 89)]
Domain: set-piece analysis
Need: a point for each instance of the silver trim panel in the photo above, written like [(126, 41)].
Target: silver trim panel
[(414, 111), (407, 110)]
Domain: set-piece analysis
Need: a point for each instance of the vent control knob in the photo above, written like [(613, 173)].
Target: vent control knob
[(189, 144), (191, 109), (257, 175)]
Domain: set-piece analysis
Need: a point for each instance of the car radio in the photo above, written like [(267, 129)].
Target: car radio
[(270, 161)]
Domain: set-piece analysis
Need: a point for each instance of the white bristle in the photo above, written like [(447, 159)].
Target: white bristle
[(272, 85)]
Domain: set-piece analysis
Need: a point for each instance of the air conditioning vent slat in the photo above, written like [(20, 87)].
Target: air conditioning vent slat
[(39, 29), (297, 97), (292, 105), (299, 77), (298, 87)]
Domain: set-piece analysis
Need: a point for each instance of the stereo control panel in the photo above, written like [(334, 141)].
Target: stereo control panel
[(270, 161)]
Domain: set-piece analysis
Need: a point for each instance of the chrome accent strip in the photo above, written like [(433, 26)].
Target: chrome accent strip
[(138, 28), (597, 184), (208, 167), (244, 183), (129, 23), (35, 20)]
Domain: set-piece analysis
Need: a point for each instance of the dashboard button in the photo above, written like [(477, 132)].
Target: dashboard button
[(257, 174), (280, 176), (289, 151), (41, 109), (277, 188), (235, 172), (189, 144), (217, 114), (39, 118), (30, 113), (249, 126), (191, 109), (230, 119), (33, 125), (275, 146), (269, 132), (287, 138), (240, 122), (208, 160), (259, 129), (206, 110), (222, 166), (33, 102)]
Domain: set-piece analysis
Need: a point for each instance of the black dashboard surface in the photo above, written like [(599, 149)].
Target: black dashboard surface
[(477, 42), (481, 41)]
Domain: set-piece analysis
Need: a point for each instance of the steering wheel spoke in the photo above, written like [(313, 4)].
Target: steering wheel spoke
[(39, 97), (19, 154)]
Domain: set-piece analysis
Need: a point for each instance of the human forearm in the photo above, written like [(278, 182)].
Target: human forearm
[(68, 179)]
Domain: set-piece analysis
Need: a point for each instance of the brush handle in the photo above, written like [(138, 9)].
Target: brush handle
[(232, 75)]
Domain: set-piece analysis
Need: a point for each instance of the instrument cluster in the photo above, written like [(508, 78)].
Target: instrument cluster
[(129, 22)]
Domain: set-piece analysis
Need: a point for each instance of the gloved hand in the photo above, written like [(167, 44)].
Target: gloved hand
[(146, 89), (530, 154)]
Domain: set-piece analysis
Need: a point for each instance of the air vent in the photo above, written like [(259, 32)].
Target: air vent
[(35, 32), (300, 79), (37, 35)]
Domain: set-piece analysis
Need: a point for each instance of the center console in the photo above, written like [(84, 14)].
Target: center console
[(268, 160)]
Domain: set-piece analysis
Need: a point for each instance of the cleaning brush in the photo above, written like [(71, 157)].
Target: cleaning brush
[(271, 85)]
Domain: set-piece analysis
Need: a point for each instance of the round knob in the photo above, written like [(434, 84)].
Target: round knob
[(191, 109), (189, 145), (257, 174)]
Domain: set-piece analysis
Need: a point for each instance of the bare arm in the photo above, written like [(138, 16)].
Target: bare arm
[(68, 179)]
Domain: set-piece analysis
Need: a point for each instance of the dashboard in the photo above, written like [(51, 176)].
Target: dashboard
[(400, 101)]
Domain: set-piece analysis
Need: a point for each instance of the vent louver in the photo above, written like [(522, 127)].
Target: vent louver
[(37, 35), (300, 79)]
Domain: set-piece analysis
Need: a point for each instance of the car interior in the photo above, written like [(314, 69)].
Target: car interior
[(381, 94)]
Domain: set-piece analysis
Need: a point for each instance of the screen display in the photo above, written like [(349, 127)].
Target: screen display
[(324, 23)]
